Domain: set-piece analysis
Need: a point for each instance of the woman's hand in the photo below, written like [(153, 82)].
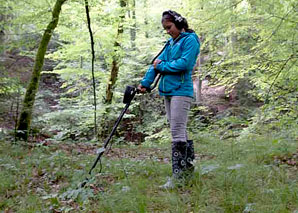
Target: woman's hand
[(157, 61), (142, 89)]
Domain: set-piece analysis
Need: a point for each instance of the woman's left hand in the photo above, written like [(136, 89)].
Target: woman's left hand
[(157, 61)]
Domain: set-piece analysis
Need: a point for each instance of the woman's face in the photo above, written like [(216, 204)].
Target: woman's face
[(171, 28)]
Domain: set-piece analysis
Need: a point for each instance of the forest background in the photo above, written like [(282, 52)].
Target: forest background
[(248, 54)]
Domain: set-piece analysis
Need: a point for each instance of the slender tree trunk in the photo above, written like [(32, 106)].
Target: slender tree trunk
[(2, 33), (16, 115), (92, 65), (26, 113), (198, 80), (105, 126), (146, 19), (116, 57), (133, 29)]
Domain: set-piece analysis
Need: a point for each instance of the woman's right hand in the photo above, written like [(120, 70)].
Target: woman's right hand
[(142, 89), (156, 62)]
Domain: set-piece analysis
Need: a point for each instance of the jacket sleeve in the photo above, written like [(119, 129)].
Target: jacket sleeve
[(186, 61), (151, 72), (149, 77)]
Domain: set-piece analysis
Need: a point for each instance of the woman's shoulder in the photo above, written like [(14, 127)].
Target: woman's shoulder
[(190, 37)]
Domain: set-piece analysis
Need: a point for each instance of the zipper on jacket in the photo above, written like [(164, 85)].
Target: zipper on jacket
[(163, 83)]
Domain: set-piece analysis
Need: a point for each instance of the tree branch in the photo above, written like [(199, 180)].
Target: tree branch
[(220, 12), (282, 68)]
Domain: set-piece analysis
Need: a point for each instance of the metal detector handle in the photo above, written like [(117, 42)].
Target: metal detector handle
[(157, 78)]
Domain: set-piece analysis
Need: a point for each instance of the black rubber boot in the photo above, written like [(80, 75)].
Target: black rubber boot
[(178, 166), (190, 156), (178, 159)]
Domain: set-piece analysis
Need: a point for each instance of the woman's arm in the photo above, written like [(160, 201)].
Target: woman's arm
[(152, 72), (149, 77), (186, 61)]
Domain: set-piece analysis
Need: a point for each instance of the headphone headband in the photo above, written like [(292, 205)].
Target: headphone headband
[(178, 18)]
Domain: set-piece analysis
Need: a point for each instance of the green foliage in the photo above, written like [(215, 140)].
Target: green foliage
[(72, 123), (79, 194), (249, 41), (257, 173), (246, 155), (9, 87), (24, 22)]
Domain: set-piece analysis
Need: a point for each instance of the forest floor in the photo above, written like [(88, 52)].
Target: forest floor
[(257, 174)]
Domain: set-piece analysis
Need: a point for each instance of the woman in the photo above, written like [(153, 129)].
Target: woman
[(175, 64)]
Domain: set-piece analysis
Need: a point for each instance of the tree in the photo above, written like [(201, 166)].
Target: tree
[(133, 28), (28, 103), (92, 65), (116, 56)]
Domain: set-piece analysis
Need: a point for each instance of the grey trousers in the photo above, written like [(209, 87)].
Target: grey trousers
[(177, 108)]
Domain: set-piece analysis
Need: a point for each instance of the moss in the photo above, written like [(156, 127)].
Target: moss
[(26, 114)]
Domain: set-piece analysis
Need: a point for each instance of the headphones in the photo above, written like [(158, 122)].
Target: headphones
[(179, 21), (178, 18)]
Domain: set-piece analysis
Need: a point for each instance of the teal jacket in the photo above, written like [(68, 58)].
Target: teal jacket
[(178, 59)]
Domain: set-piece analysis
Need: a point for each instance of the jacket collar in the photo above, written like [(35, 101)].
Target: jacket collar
[(185, 34)]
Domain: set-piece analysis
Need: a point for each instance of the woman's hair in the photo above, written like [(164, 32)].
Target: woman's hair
[(179, 21)]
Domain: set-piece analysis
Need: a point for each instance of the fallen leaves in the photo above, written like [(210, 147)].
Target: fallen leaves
[(290, 160)]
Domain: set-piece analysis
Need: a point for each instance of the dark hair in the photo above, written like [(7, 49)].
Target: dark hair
[(179, 21)]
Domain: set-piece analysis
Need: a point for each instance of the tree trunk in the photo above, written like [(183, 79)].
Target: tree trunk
[(116, 57), (2, 33), (146, 22), (133, 29), (198, 81), (92, 65), (106, 126), (26, 114)]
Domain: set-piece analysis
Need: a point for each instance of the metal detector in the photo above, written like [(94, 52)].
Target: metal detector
[(129, 95)]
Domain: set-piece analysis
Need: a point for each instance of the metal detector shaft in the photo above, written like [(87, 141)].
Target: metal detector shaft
[(112, 132), (128, 101)]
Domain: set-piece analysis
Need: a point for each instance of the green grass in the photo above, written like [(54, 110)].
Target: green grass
[(230, 176)]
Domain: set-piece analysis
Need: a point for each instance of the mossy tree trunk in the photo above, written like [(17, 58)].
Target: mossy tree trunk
[(26, 113), (117, 53), (106, 126)]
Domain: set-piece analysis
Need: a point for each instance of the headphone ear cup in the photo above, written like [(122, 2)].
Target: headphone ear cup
[(179, 25)]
